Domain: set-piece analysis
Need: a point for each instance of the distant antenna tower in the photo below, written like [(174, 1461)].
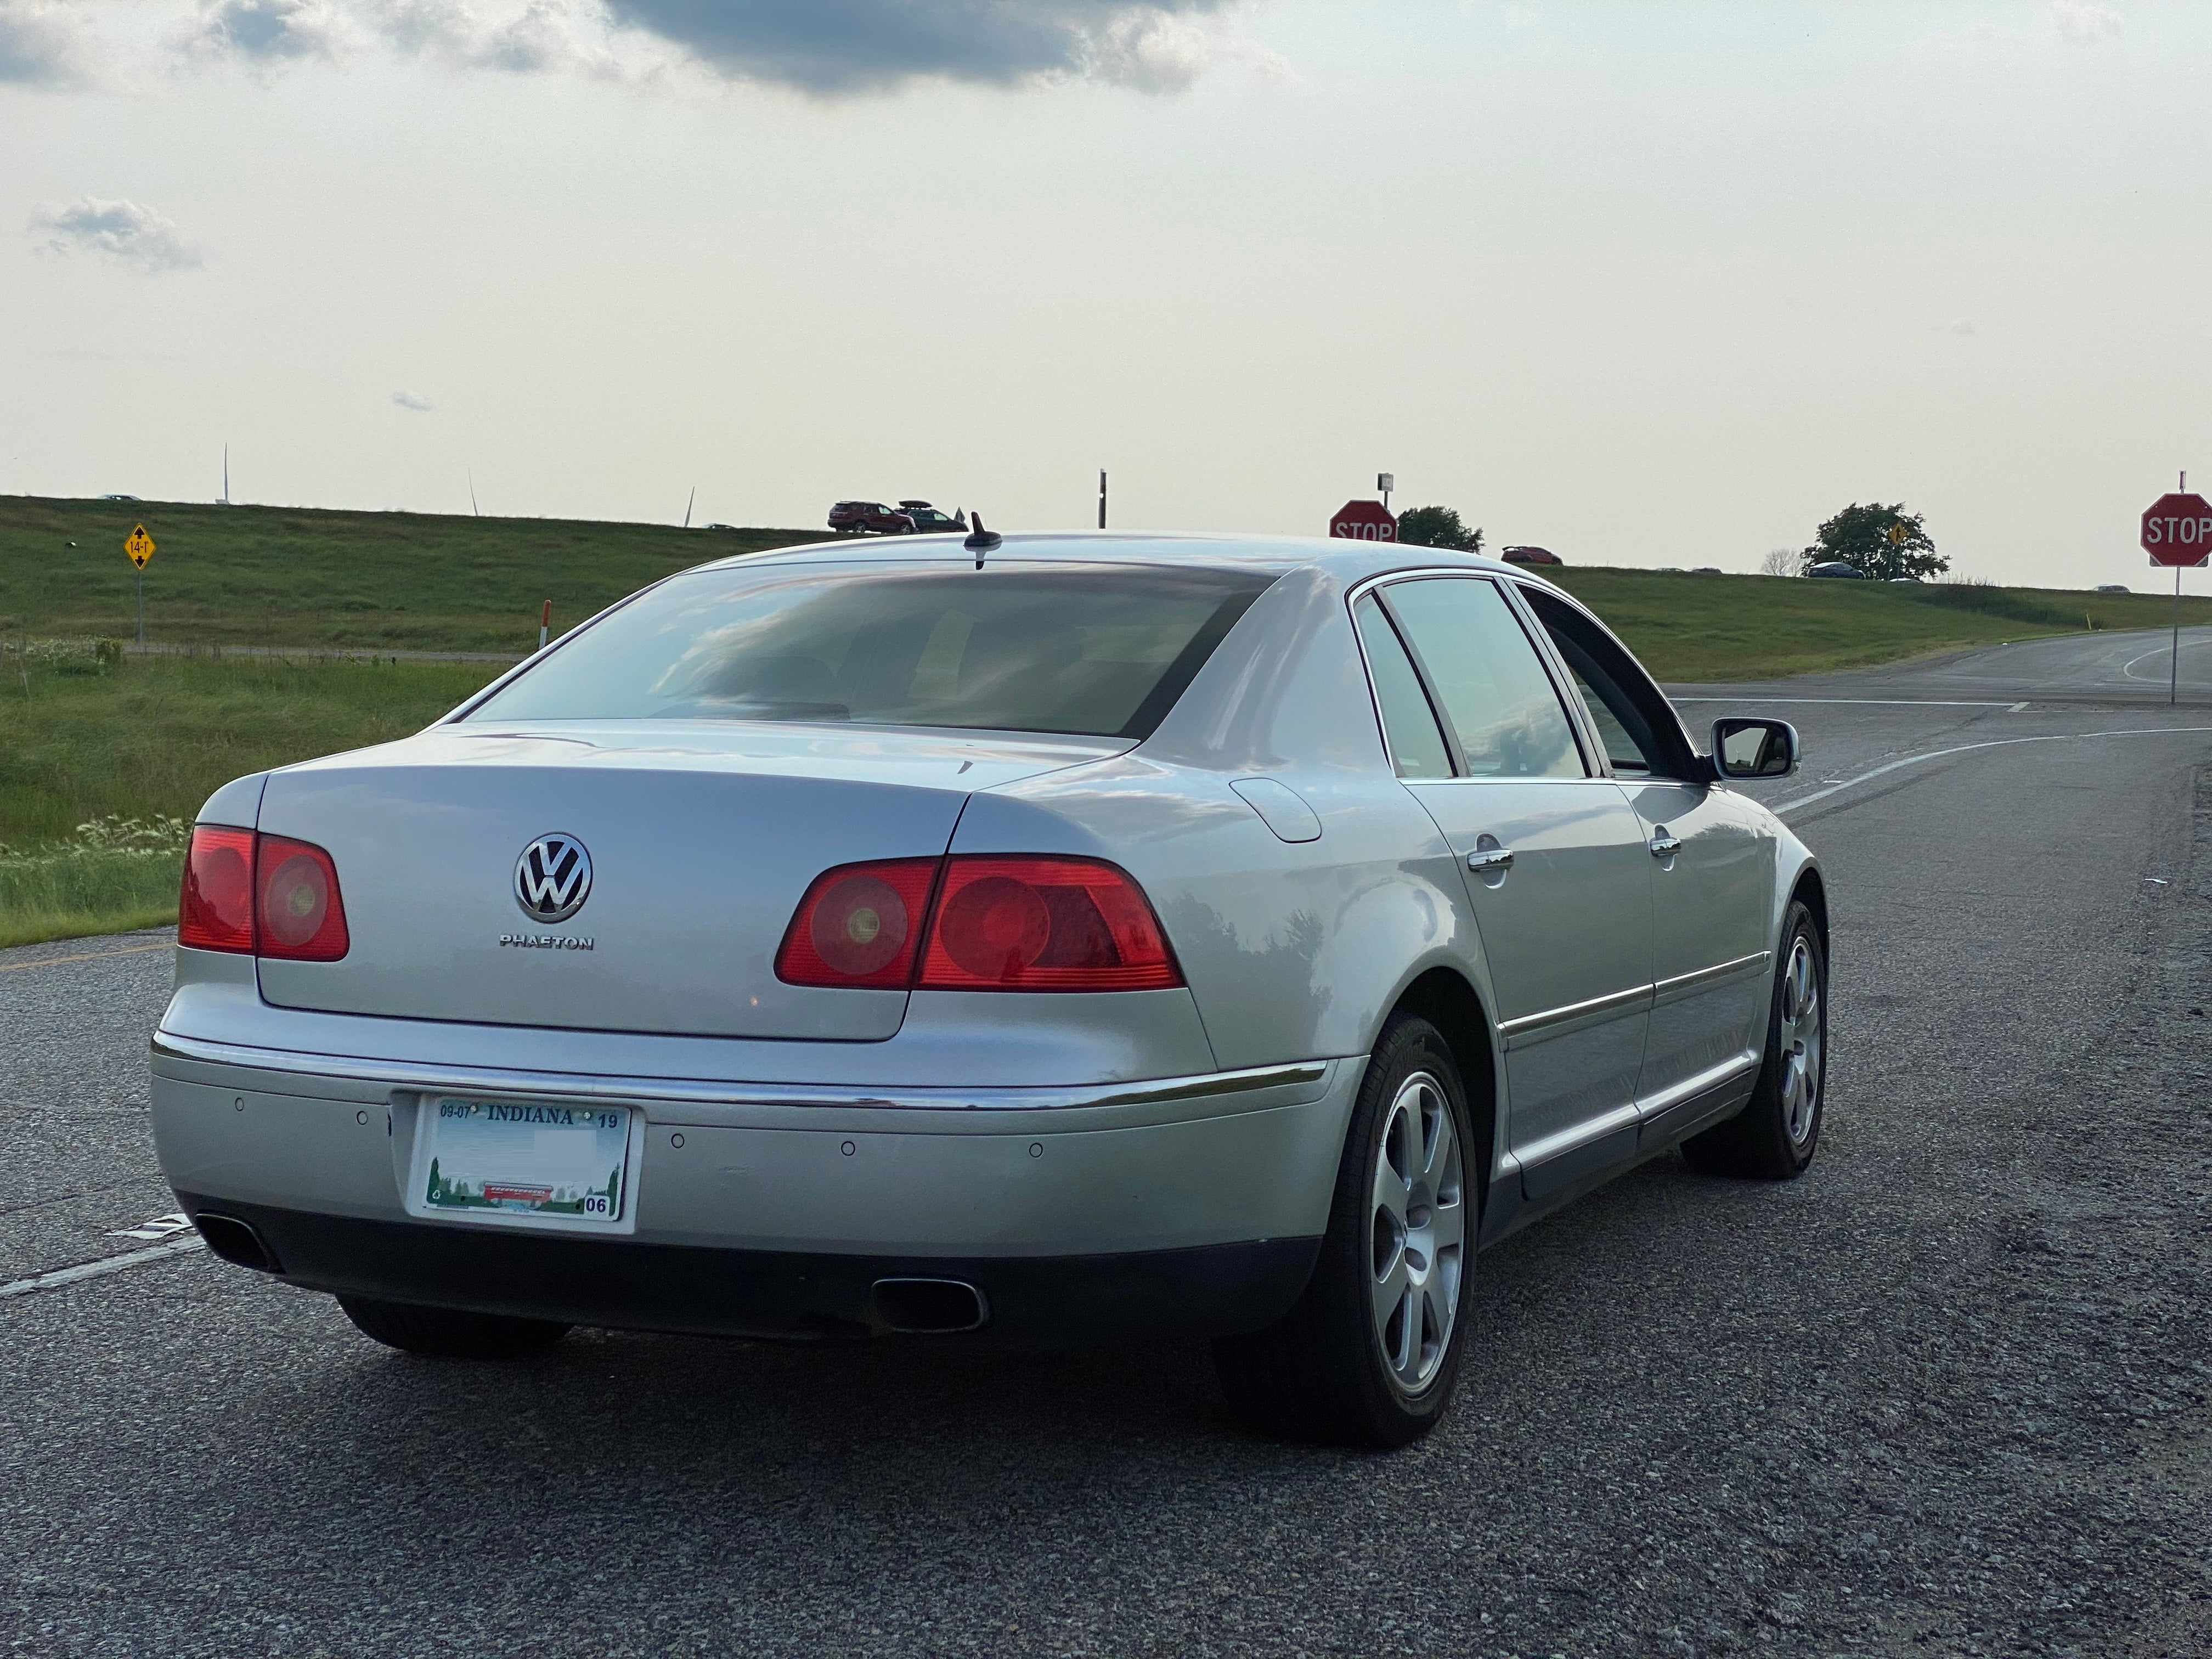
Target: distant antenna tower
[(226, 475), (473, 507), (687, 506)]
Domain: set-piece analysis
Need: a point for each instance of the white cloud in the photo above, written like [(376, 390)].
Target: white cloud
[(268, 31), (121, 231), (541, 36), (2084, 23), (39, 45), (1162, 50), (411, 401)]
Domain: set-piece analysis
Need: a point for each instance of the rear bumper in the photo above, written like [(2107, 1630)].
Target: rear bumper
[(1209, 1289), (1181, 1205)]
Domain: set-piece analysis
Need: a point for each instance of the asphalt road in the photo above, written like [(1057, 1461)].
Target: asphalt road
[(1947, 1395)]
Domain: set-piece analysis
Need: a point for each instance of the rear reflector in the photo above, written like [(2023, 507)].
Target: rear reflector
[(996, 923), (244, 892)]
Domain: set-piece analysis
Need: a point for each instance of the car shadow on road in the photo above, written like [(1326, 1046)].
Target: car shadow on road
[(882, 1425)]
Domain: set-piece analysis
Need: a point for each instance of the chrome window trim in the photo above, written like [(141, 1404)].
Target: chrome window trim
[(1539, 642), (167, 1045)]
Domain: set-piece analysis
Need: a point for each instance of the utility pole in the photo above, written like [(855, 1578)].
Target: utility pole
[(1101, 498), (2173, 669)]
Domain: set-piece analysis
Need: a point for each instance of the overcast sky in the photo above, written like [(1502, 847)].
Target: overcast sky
[(1647, 284)]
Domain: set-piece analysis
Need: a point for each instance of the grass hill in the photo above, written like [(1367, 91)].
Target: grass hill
[(304, 577), (103, 757), (307, 578), (1688, 628)]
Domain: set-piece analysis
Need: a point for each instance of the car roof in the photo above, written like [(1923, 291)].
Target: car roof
[(1346, 561)]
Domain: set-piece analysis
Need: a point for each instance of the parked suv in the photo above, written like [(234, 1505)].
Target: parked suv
[(870, 517), (1531, 555)]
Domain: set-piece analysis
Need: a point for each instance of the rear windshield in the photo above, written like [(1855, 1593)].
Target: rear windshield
[(1084, 650)]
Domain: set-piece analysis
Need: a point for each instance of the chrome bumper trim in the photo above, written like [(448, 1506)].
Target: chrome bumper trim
[(1161, 1091)]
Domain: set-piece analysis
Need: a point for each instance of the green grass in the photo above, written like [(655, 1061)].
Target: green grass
[(147, 740), (1691, 628), (103, 757), (297, 577)]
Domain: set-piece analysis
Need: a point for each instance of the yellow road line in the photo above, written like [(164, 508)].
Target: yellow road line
[(84, 955)]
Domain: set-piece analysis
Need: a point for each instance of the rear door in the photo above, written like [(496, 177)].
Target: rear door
[(1561, 890)]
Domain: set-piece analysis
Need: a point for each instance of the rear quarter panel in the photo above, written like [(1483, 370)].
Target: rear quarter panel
[(1293, 951)]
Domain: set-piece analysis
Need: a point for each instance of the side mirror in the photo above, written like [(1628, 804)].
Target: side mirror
[(1754, 748)]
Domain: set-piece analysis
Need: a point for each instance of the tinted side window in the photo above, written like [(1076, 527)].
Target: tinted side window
[(1502, 705), (1634, 720), (1409, 726)]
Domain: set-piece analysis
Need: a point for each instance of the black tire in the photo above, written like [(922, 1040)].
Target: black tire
[(1775, 1136), (1319, 1373), (449, 1333)]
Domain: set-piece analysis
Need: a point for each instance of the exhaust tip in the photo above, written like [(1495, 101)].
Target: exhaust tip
[(236, 1241), (917, 1307)]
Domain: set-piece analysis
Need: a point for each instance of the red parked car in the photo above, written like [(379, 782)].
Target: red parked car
[(1530, 556), (872, 517)]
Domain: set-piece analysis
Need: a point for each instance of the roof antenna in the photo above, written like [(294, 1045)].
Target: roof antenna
[(979, 541)]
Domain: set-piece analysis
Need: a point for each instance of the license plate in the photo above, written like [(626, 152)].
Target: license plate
[(521, 1158)]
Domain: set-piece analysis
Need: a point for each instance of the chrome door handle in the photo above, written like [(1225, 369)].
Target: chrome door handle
[(1490, 858), (1664, 845)]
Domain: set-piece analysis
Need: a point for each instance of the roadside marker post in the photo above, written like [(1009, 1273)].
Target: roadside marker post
[(140, 546), (2176, 531), (545, 624)]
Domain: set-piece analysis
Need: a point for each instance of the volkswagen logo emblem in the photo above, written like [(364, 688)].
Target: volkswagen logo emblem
[(552, 878)]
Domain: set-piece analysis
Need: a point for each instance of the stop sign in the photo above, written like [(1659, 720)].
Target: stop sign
[(2176, 530), (1363, 521)]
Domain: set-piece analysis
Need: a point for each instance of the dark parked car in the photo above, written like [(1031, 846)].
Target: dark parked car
[(1530, 556), (870, 517), (929, 521), (1836, 568)]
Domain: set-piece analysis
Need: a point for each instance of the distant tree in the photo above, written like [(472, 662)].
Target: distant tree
[(1883, 541), (1438, 527), (1782, 562)]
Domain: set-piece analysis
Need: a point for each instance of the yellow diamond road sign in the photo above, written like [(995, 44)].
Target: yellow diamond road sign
[(139, 545)]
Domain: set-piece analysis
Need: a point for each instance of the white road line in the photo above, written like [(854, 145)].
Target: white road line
[(1853, 703), (162, 1226), (109, 1264), (1789, 807), (2128, 668)]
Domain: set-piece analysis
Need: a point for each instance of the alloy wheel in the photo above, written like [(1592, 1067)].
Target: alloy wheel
[(1802, 1034), (1418, 1230)]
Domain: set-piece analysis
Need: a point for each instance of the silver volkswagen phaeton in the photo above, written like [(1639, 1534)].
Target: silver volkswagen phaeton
[(1050, 937)]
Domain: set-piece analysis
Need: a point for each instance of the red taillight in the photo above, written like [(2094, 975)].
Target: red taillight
[(298, 915), (1012, 923), (247, 892), (215, 912), (1028, 923), (858, 925)]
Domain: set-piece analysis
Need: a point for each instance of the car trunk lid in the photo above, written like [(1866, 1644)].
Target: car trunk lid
[(701, 837)]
